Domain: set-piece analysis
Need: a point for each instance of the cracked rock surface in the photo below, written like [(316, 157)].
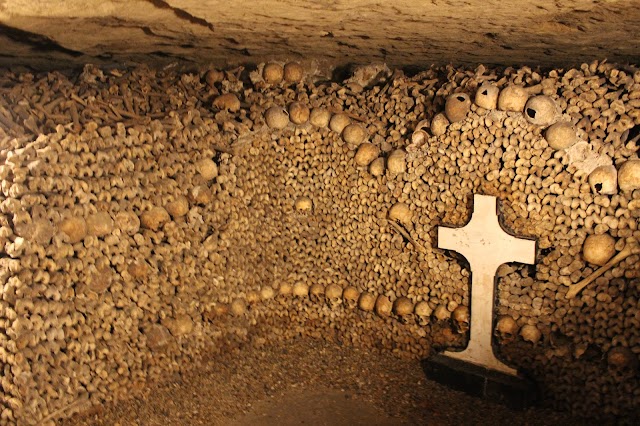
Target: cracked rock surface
[(66, 33)]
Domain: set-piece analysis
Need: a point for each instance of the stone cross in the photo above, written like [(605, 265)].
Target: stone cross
[(486, 246)]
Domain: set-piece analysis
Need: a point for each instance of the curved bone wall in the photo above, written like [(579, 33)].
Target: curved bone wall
[(147, 214)]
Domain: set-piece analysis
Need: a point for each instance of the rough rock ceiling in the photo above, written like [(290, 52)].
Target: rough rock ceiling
[(62, 33)]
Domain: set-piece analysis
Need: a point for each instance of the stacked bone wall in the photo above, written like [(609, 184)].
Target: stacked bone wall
[(144, 218)]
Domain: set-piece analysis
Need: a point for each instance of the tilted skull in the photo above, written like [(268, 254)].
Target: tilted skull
[(461, 319), (506, 329), (333, 295), (423, 312)]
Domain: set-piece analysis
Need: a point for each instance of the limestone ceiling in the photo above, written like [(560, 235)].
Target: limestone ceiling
[(62, 33)]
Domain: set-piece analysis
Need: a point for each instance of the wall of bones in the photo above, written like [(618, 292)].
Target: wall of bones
[(146, 214)]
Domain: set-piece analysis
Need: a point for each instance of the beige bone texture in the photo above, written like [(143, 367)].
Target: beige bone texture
[(574, 289)]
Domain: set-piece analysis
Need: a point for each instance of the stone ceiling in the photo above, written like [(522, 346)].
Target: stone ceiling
[(65, 33)]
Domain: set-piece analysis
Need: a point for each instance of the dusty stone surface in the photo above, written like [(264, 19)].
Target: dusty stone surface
[(64, 33), (305, 381)]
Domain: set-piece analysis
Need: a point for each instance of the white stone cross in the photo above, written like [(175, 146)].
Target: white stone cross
[(486, 246)]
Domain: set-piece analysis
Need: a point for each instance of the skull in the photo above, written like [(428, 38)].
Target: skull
[(442, 313), (238, 307), (383, 306), (423, 311), (252, 297), (506, 329), (622, 363), (604, 180), (461, 319), (367, 301), (267, 293), (541, 111), (487, 96), (304, 204), (403, 308), (300, 289), (316, 293), (283, 293), (350, 296), (530, 333), (333, 295), (419, 136)]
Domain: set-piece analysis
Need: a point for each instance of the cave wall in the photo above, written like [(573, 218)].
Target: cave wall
[(149, 215), (60, 34)]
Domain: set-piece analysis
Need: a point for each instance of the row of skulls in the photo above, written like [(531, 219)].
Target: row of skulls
[(421, 313), (402, 308)]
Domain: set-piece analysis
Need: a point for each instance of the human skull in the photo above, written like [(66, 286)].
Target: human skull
[(333, 295), (512, 98), (423, 312), (238, 307), (316, 292), (419, 136), (506, 329), (383, 306), (252, 297), (457, 106), (541, 111), (304, 204), (403, 308), (487, 96), (220, 310), (267, 293), (442, 313), (598, 249), (439, 124), (367, 301), (622, 362), (284, 291), (629, 175), (350, 296), (604, 180), (530, 333), (300, 289), (461, 319), (561, 135)]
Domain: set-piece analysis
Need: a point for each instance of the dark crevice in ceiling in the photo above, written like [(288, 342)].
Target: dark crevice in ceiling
[(36, 42), (182, 14)]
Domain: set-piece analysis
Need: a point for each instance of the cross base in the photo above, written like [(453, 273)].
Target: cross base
[(474, 355), (516, 392)]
